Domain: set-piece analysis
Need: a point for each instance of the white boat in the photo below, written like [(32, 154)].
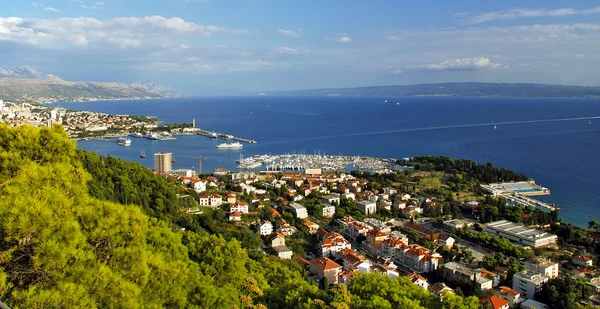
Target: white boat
[(123, 141), (495, 127), (213, 135), (235, 145), (136, 135)]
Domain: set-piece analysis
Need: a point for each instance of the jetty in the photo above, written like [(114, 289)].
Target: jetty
[(226, 136)]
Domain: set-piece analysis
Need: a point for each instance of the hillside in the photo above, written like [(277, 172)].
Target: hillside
[(453, 89), (68, 242), (27, 83)]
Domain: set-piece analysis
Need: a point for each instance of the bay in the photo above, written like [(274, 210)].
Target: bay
[(553, 140)]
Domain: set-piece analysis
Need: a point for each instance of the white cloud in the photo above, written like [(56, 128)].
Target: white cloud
[(286, 50), (123, 32), (290, 33), (343, 39), (51, 10), (461, 64), (36, 4), (393, 38), (526, 13)]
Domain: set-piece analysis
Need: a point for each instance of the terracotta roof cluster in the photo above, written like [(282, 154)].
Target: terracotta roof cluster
[(211, 196), (504, 290)]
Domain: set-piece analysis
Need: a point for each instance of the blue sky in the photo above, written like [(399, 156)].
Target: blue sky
[(221, 46)]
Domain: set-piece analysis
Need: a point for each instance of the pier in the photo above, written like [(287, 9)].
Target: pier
[(227, 137), (521, 200)]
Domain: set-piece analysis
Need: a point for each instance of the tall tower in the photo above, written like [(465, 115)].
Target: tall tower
[(193, 123), (162, 162)]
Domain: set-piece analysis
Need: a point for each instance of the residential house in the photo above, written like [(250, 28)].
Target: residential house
[(419, 280), (439, 289), (528, 283), (299, 210), (512, 296), (265, 228), (199, 186), (277, 244), (212, 200), (398, 205), (325, 268), (287, 229), (439, 239), (328, 210), (349, 195), (583, 261), (353, 260), (231, 197), (421, 260), (374, 239), (311, 226), (333, 243), (331, 199), (239, 206), (497, 302), (367, 207), (235, 216), (543, 266), (346, 276)]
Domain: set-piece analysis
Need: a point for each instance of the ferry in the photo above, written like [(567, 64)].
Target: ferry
[(123, 141), (235, 145), (136, 135)]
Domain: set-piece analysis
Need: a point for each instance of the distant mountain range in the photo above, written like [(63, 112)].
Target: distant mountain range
[(452, 89), (28, 83)]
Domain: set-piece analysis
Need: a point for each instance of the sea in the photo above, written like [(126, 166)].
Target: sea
[(555, 141)]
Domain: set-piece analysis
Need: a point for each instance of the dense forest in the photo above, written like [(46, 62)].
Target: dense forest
[(71, 240)]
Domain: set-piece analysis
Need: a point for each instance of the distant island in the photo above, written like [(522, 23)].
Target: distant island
[(29, 85), (470, 89)]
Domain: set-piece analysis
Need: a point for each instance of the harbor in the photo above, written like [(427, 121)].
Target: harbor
[(300, 162)]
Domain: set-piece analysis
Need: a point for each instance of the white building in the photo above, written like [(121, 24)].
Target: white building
[(367, 207), (528, 283), (265, 228), (299, 210), (328, 211), (241, 207), (545, 267), (583, 261), (521, 234), (200, 186), (213, 200), (183, 172), (162, 162)]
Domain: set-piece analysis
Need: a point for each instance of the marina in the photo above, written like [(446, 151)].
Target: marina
[(299, 162)]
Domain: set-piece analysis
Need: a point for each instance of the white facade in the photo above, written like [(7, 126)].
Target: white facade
[(213, 200), (528, 284), (162, 162), (299, 210), (367, 207), (241, 207), (265, 228), (544, 267), (328, 211)]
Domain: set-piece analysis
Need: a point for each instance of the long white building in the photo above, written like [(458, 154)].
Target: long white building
[(521, 234)]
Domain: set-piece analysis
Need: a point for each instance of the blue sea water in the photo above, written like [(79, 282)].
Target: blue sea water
[(553, 140)]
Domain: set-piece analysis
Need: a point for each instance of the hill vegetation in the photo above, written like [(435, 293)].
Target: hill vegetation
[(68, 242)]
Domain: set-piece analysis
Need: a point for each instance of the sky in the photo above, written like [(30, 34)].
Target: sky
[(223, 46)]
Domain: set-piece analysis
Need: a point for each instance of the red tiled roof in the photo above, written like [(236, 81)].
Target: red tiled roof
[(582, 258), (507, 290), (498, 302), (325, 263)]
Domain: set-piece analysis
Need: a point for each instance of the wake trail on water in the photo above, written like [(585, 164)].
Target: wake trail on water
[(459, 126)]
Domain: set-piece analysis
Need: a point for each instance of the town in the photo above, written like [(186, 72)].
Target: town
[(78, 124), (437, 226)]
